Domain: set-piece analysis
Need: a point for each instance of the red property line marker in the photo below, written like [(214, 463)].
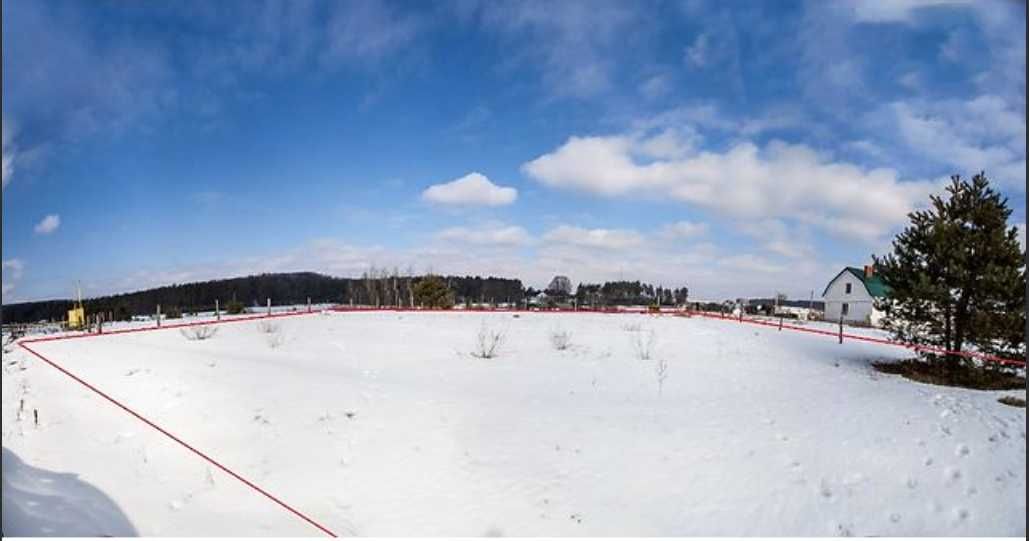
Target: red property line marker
[(176, 439), (914, 347)]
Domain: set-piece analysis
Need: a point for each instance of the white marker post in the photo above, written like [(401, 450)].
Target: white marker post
[(217, 311), (158, 315), (269, 306)]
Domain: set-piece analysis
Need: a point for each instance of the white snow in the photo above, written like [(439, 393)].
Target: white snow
[(385, 424)]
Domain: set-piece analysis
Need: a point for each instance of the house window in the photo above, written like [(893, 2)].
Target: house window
[(848, 289), (846, 307)]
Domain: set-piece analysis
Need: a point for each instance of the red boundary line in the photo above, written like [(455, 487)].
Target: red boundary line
[(23, 343), (155, 426), (914, 347), (710, 315)]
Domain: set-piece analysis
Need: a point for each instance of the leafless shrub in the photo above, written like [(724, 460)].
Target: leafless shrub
[(268, 327), (488, 342), (632, 327), (199, 332), (643, 344), (560, 339), (661, 373), (275, 338)]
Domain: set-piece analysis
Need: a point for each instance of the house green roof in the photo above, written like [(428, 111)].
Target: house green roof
[(875, 285)]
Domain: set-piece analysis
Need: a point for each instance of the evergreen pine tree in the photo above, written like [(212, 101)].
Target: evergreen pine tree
[(957, 275)]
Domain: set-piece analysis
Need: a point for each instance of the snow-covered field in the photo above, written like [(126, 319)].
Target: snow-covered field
[(385, 424)]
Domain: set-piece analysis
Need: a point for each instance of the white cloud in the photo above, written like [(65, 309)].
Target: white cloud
[(866, 147), (779, 180), (894, 11), (367, 30), (48, 224), (911, 80), (9, 151), (983, 133), (499, 235), (750, 262), (612, 239), (12, 271), (473, 189), (778, 237), (13, 268), (696, 54), (573, 44), (684, 230), (656, 86)]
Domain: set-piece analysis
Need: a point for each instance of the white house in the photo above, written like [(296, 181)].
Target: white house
[(851, 294)]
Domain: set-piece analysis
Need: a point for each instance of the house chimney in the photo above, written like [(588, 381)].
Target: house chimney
[(869, 271)]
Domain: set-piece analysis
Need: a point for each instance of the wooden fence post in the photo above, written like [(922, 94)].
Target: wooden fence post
[(217, 311), (309, 305), (269, 306), (841, 329), (158, 315), (780, 322)]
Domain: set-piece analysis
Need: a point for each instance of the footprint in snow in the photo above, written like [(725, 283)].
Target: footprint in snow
[(962, 450), (951, 475)]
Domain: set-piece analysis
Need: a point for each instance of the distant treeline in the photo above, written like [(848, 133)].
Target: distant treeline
[(629, 293), (374, 288)]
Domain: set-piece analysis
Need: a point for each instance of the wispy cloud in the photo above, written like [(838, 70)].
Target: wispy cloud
[(572, 44), (48, 224), (490, 235), (611, 239)]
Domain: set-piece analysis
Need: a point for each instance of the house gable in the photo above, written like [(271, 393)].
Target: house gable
[(873, 285)]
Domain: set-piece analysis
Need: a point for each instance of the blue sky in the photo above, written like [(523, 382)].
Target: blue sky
[(740, 148)]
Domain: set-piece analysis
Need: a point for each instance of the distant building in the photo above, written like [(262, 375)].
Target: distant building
[(794, 309), (851, 295)]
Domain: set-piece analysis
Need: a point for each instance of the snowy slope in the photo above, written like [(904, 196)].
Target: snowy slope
[(384, 424)]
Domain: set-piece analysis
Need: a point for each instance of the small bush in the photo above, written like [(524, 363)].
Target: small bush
[(268, 327), (560, 339), (199, 332), (643, 344), (488, 342), (234, 307), (661, 373), (275, 339), (1012, 401)]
